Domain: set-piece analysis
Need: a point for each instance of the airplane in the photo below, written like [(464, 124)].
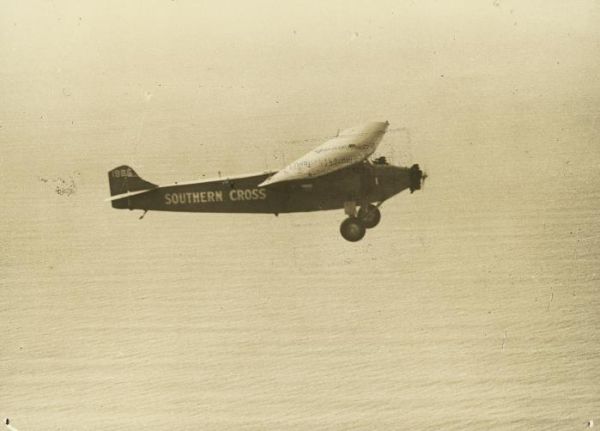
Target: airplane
[(337, 174)]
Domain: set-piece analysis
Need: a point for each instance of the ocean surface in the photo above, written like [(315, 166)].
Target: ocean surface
[(475, 304)]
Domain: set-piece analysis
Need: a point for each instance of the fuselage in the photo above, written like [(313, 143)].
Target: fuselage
[(362, 183)]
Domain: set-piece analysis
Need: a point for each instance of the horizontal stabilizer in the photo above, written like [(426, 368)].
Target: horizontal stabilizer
[(127, 195)]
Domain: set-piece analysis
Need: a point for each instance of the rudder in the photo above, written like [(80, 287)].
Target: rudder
[(124, 179)]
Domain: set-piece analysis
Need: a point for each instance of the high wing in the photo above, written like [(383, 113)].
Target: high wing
[(350, 146)]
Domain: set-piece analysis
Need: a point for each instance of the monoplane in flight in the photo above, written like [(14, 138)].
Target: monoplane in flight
[(337, 174)]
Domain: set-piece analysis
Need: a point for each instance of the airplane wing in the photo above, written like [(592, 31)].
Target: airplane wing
[(350, 146)]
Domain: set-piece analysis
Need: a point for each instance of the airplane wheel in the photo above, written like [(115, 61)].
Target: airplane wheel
[(370, 216), (352, 229)]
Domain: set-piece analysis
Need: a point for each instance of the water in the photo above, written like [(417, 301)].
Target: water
[(474, 304)]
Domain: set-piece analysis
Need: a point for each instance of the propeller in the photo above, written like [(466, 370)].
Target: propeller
[(417, 178), (423, 178)]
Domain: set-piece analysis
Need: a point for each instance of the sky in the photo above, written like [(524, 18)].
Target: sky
[(164, 79)]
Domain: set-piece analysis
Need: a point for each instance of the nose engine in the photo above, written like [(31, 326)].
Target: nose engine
[(416, 177)]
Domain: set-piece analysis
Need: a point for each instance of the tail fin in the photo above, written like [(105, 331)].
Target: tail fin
[(124, 180)]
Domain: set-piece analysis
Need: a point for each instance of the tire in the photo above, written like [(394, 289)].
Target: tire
[(352, 229), (370, 216)]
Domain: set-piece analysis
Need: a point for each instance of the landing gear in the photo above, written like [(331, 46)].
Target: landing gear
[(353, 229), (355, 226), (369, 215)]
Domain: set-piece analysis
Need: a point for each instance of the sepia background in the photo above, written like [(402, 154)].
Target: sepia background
[(473, 305)]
